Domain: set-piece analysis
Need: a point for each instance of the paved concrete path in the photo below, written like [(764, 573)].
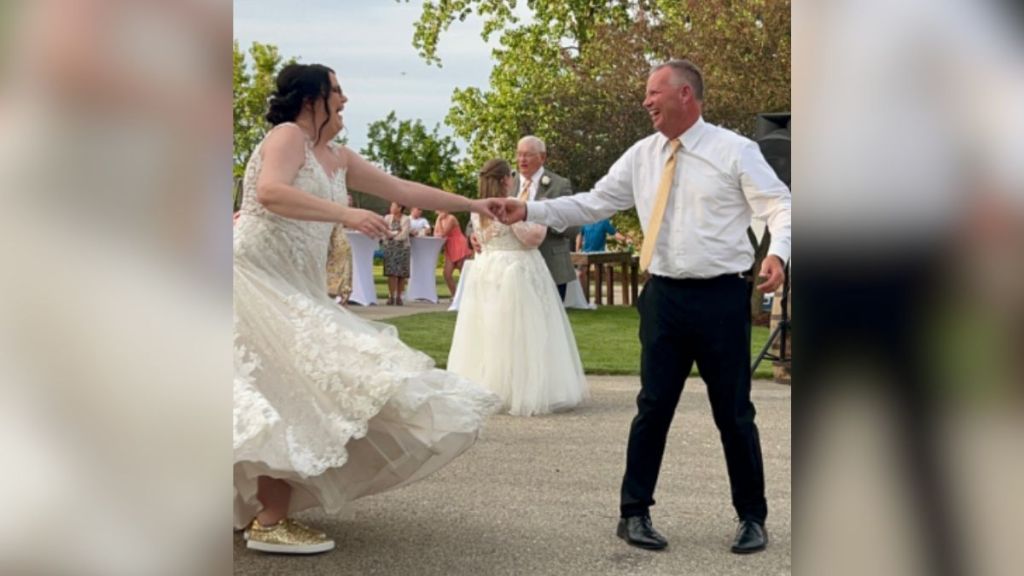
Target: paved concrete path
[(383, 311), (540, 496)]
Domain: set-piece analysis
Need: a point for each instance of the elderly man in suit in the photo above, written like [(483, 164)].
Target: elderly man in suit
[(535, 182)]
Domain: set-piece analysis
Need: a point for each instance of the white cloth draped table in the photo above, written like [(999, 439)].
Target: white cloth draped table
[(363, 291), (457, 297), (423, 268), (574, 297)]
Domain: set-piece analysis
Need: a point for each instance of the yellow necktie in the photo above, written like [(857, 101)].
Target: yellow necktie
[(658, 214), (525, 194)]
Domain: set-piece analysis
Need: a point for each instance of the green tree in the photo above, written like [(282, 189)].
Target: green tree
[(253, 84), (575, 74), (404, 148), (585, 62)]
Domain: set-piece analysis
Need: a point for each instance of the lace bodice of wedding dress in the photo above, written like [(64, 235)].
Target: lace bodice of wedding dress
[(494, 235), (304, 240)]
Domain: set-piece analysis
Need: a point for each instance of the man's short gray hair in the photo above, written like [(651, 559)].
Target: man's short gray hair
[(685, 72), (535, 144)]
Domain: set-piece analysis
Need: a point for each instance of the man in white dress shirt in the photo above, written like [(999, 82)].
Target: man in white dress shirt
[(418, 225), (696, 187)]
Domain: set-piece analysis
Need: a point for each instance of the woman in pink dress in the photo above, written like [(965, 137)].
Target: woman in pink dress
[(456, 247)]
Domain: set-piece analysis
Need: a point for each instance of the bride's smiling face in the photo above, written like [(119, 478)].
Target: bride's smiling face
[(335, 105)]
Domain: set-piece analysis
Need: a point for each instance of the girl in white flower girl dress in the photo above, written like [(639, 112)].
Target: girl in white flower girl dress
[(512, 334)]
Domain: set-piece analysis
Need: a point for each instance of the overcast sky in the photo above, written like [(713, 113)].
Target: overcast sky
[(369, 44)]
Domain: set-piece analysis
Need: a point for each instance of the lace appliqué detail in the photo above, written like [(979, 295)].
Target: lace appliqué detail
[(362, 370), (497, 236), (253, 416), (262, 232)]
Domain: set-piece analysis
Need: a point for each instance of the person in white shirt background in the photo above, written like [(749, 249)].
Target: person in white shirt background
[(695, 186), (418, 225)]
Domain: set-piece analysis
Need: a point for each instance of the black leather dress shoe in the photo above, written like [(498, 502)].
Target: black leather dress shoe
[(750, 537), (638, 531)]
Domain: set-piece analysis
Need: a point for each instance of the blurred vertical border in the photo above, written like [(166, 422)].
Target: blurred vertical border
[(115, 339), (909, 306)]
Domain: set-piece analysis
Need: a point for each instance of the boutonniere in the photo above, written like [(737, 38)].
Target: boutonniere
[(545, 180)]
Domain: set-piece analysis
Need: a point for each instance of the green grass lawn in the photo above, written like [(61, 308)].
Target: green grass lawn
[(606, 337)]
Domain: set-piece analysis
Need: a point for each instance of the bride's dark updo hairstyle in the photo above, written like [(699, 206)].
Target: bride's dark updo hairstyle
[(491, 175), (296, 85)]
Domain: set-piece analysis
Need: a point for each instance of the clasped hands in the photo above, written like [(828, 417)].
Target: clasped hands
[(505, 210)]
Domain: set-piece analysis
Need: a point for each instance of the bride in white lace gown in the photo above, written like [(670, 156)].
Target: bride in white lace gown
[(512, 334), (328, 407)]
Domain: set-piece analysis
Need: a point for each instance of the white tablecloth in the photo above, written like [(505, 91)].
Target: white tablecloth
[(574, 297), (466, 265), (363, 291), (573, 292), (423, 269)]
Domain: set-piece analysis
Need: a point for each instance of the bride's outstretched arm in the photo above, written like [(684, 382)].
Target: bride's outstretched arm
[(283, 154), (365, 177)]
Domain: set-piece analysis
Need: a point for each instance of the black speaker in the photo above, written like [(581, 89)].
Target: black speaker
[(773, 136)]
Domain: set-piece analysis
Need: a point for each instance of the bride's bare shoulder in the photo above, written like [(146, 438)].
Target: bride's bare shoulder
[(285, 135)]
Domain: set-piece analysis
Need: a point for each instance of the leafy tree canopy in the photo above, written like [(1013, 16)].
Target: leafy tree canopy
[(404, 148)]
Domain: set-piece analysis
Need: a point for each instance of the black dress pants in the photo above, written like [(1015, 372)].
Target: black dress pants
[(705, 321)]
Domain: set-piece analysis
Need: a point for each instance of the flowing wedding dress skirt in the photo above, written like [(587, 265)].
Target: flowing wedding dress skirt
[(336, 405), (512, 334)]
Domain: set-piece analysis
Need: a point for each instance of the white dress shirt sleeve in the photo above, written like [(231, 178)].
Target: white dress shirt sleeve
[(612, 193), (768, 197)]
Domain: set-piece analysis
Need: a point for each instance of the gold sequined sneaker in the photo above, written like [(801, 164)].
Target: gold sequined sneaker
[(287, 537)]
